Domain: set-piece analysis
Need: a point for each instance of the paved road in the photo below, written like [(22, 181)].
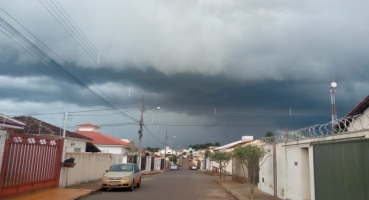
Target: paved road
[(182, 184)]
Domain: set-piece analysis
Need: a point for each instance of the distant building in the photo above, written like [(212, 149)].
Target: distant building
[(105, 143), (169, 151)]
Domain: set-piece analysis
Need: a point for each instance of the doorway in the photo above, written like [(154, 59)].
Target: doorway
[(305, 173)]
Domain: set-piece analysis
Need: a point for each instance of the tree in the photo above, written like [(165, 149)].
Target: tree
[(222, 158), (270, 134), (173, 159), (252, 156), (217, 144)]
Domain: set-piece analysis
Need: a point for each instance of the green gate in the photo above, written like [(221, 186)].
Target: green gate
[(341, 170)]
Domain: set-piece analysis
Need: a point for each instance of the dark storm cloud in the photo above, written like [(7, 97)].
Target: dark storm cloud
[(259, 58)]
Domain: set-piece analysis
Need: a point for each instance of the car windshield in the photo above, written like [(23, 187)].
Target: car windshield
[(121, 168)]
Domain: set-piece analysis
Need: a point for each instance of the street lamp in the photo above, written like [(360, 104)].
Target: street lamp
[(333, 102)]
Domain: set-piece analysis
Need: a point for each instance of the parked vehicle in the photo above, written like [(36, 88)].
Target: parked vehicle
[(192, 166), (173, 167), (125, 175)]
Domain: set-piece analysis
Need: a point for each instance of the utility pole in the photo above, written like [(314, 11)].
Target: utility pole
[(140, 132), (64, 132), (165, 150)]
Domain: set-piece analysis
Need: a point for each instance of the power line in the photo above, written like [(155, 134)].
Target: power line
[(45, 59), (77, 36), (152, 135)]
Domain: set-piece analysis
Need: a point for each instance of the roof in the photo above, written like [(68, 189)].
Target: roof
[(102, 139), (360, 108), (232, 145), (38, 127), (240, 143), (7, 122), (88, 125)]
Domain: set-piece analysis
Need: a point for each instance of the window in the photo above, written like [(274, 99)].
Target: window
[(77, 149)]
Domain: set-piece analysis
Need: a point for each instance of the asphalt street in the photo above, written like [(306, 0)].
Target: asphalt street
[(182, 184)]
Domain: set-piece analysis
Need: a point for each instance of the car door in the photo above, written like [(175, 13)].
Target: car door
[(135, 174)]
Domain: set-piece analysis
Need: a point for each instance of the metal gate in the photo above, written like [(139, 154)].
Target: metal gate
[(341, 170), (29, 163), (152, 163), (143, 163)]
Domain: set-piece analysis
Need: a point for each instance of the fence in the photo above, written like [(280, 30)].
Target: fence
[(350, 124)]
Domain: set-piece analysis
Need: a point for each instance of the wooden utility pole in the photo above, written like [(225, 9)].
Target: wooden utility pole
[(165, 150), (140, 132)]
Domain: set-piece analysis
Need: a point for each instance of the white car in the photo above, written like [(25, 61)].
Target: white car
[(173, 167)]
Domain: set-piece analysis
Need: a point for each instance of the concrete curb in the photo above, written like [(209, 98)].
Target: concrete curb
[(88, 194)]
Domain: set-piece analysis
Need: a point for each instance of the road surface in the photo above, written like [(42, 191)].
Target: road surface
[(183, 184)]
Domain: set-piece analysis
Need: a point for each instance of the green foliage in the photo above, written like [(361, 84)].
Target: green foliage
[(203, 146), (173, 159), (156, 149), (207, 153), (222, 158), (252, 157), (269, 134)]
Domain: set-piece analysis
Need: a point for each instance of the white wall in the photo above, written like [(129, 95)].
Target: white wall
[(2, 145), (157, 163), (89, 167), (112, 149), (78, 144), (294, 181), (88, 129), (266, 173)]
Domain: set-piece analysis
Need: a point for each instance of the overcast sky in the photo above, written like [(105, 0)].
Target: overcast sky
[(252, 61)]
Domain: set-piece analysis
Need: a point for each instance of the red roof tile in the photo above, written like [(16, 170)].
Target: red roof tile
[(102, 139)]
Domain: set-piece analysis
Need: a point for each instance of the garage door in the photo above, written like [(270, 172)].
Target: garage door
[(342, 170)]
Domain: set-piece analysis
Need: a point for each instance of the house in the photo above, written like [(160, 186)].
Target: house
[(229, 148), (105, 143), (321, 165), (168, 151), (30, 143), (74, 142)]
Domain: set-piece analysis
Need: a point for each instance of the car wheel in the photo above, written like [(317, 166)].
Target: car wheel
[(132, 186), (104, 189), (139, 183)]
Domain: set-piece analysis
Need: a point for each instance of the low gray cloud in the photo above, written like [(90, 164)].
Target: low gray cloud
[(253, 61)]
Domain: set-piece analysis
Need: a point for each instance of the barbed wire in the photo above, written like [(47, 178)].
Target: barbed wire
[(344, 125)]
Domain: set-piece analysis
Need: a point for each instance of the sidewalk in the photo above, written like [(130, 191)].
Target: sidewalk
[(242, 191), (72, 192)]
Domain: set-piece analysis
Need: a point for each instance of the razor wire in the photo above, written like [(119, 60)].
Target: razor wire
[(349, 124)]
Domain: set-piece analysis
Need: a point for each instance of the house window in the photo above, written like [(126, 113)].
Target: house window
[(77, 149)]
